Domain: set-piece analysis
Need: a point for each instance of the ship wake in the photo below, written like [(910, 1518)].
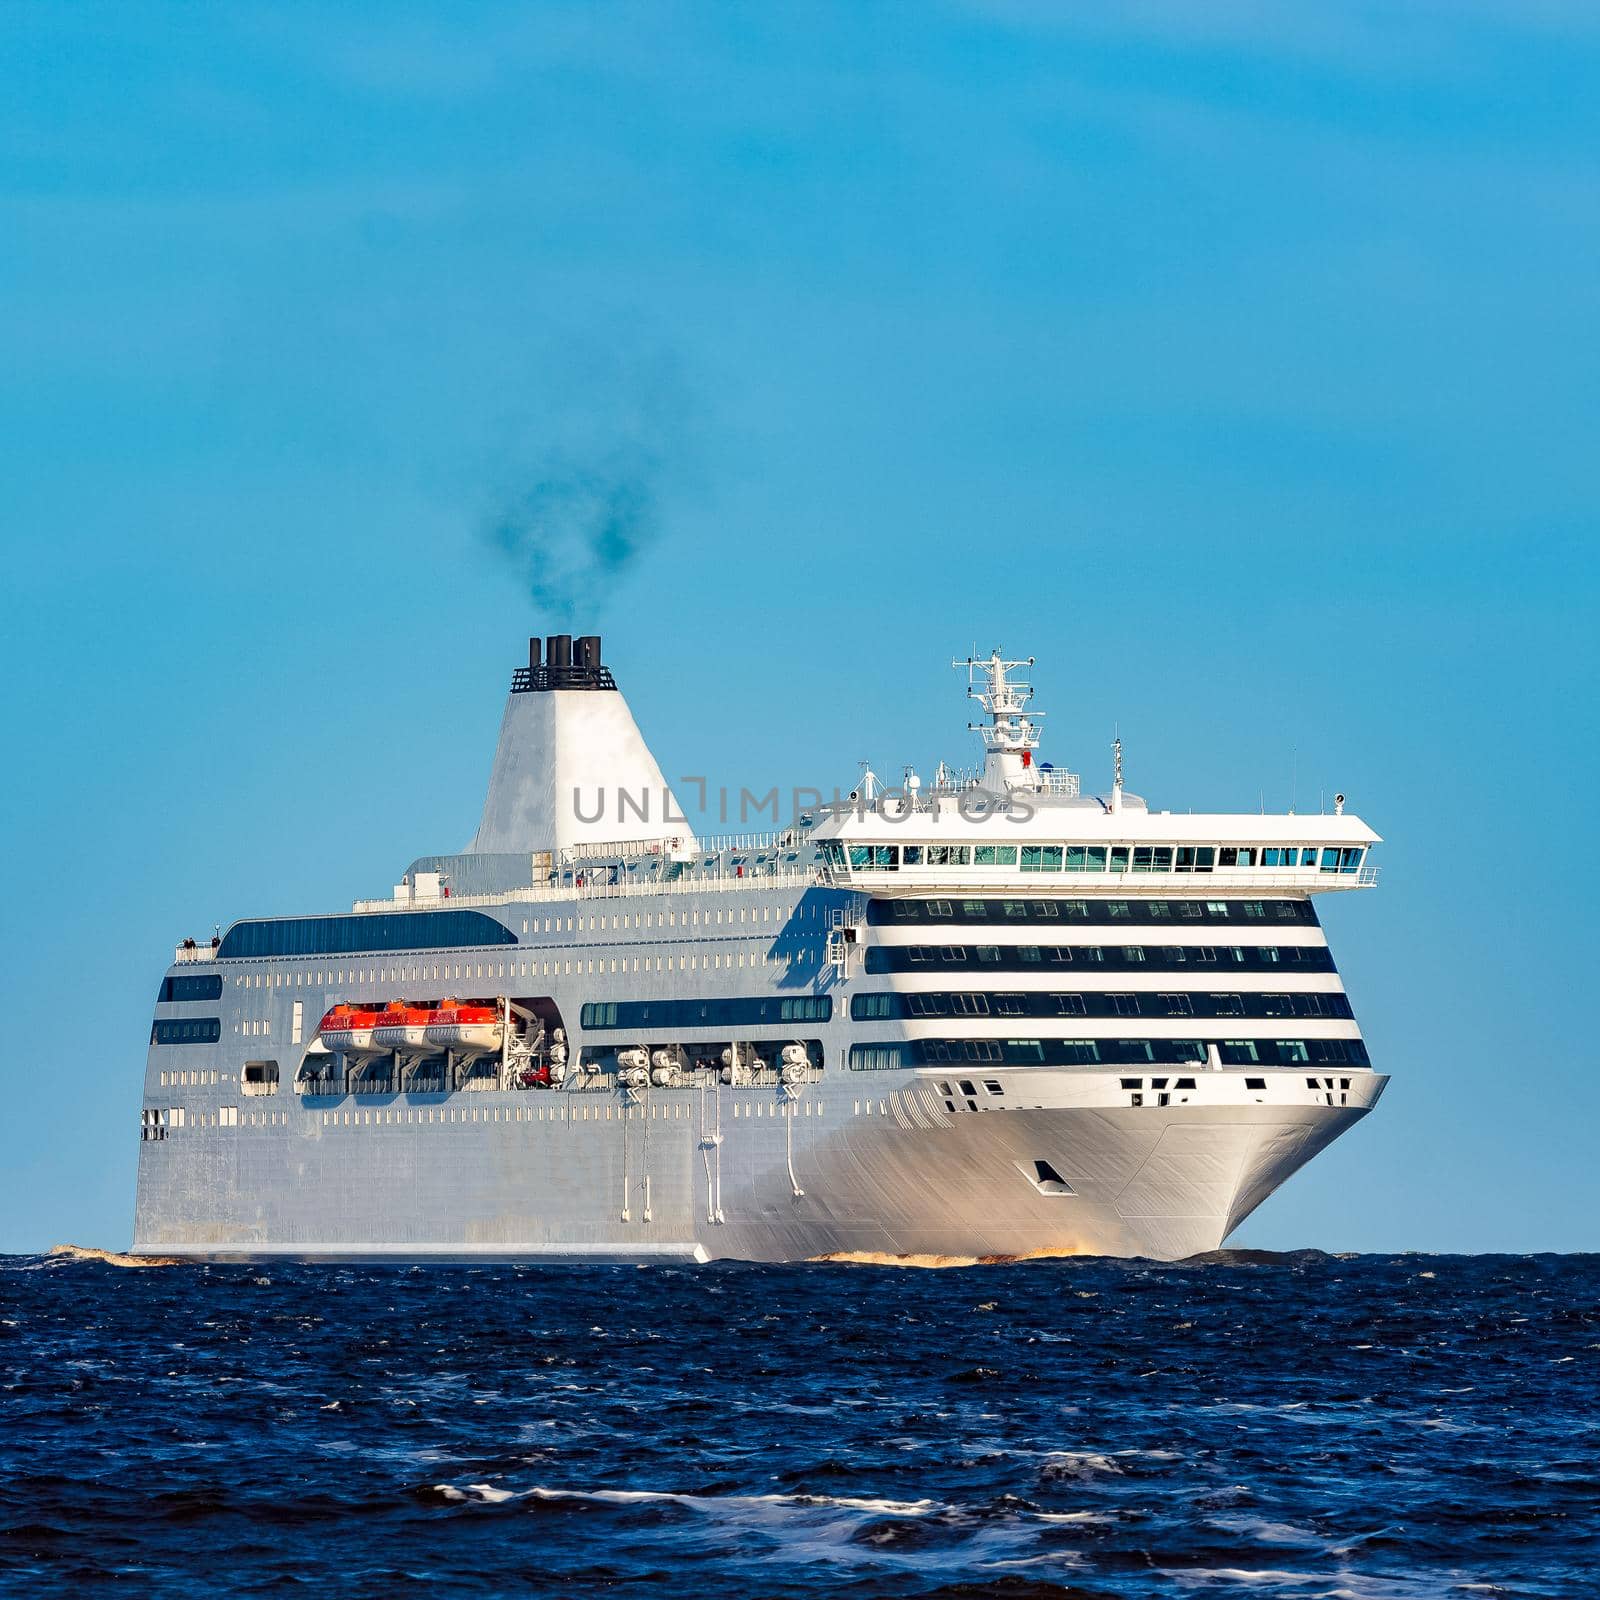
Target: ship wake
[(876, 1258), (111, 1258)]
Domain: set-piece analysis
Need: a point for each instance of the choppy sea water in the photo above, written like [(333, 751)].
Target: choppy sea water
[(1371, 1427)]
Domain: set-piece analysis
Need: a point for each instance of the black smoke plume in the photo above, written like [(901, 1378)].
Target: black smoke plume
[(587, 495)]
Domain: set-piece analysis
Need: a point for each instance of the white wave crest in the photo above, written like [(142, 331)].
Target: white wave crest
[(487, 1494)]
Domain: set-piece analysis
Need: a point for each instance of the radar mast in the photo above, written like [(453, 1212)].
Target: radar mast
[(1010, 737)]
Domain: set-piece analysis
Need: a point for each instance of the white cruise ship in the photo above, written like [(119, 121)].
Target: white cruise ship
[(982, 1015)]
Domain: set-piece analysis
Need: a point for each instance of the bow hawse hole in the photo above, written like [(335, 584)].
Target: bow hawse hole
[(1044, 1177)]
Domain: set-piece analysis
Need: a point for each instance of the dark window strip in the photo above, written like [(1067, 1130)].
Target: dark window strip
[(190, 986), (374, 934), (1194, 958), (186, 1030), (1106, 1052), (887, 1006), (600, 1016), (1077, 911)]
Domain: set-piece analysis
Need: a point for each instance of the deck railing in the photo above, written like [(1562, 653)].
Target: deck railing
[(689, 882), (1012, 880)]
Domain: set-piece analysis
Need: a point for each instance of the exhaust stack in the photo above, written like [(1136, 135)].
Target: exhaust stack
[(567, 664), (572, 769)]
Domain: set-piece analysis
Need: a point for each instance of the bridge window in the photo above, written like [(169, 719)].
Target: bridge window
[(994, 855), (874, 857), (1041, 858), (1086, 858)]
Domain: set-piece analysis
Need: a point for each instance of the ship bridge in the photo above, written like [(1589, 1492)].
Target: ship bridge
[(1019, 821)]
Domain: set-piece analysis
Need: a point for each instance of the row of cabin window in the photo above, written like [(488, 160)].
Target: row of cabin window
[(805, 910), (1110, 958), (894, 1007), (1092, 857), (186, 1030), (1109, 1052), (736, 1012), (886, 913)]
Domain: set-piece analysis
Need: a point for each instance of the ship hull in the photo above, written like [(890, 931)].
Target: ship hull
[(741, 1175)]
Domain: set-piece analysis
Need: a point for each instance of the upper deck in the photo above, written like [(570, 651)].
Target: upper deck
[(1014, 825)]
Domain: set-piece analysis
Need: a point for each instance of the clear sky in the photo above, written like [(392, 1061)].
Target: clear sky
[(1238, 361)]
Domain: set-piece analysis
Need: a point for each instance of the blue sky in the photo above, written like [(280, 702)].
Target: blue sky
[(1236, 361)]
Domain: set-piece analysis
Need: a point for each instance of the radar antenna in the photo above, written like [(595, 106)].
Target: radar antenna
[(1010, 737)]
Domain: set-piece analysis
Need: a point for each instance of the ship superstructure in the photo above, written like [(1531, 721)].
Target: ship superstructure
[(982, 1015)]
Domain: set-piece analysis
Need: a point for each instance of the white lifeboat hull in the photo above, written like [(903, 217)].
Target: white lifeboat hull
[(407, 1038), (350, 1041), (476, 1038)]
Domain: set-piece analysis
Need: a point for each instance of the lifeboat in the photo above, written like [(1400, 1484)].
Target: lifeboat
[(403, 1028), (477, 1029), (348, 1029)]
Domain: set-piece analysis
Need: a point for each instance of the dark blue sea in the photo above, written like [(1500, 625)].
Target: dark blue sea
[(1390, 1427)]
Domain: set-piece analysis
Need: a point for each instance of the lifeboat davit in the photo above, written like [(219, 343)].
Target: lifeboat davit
[(478, 1030), (348, 1029), (402, 1028)]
